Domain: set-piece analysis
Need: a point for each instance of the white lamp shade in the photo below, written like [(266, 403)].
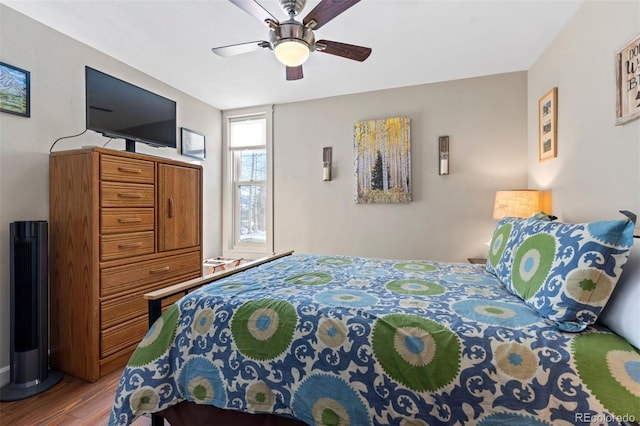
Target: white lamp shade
[(292, 53)]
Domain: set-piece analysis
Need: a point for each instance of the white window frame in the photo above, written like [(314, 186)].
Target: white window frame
[(231, 247)]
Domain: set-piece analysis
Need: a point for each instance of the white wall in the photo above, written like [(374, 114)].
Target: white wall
[(56, 63), (597, 171), (450, 216)]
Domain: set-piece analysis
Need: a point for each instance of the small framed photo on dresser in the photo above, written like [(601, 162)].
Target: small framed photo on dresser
[(192, 144), (548, 125)]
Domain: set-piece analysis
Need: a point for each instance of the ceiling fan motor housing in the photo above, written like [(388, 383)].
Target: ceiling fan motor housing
[(292, 30)]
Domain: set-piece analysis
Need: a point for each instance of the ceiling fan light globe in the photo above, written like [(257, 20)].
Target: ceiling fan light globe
[(292, 53)]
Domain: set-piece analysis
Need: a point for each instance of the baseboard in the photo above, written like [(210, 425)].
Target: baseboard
[(4, 375)]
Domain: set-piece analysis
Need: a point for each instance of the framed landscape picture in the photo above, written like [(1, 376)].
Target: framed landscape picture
[(383, 160), (193, 144), (548, 125), (14, 90)]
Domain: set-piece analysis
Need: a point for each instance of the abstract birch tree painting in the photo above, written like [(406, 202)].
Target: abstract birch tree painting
[(383, 160)]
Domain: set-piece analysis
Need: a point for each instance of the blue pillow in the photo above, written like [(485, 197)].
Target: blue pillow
[(566, 272)]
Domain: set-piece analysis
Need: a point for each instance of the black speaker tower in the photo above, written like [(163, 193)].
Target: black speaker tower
[(29, 369)]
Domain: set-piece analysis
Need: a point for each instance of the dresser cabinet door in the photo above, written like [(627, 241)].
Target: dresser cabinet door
[(178, 207)]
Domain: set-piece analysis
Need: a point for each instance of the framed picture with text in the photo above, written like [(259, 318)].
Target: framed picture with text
[(192, 144), (548, 125), (15, 90), (628, 81)]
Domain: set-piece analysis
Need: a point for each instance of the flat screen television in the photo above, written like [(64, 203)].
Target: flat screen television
[(118, 109)]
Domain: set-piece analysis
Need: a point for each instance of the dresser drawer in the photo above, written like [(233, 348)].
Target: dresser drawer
[(116, 361), (120, 221), (126, 170), (114, 247), (119, 279), (133, 305), (123, 335), (119, 331), (114, 194)]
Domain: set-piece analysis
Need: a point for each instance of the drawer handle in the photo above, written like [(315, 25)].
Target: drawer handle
[(170, 207), (129, 170), (159, 270), (129, 195), (130, 220), (129, 245)]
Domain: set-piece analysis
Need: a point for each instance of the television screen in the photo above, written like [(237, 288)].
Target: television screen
[(119, 109)]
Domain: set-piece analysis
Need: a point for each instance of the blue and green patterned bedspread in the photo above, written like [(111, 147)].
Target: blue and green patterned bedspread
[(359, 341)]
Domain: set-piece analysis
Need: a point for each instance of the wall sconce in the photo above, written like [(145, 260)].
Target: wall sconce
[(443, 155), (326, 163)]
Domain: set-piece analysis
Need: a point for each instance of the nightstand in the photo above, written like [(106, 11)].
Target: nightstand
[(477, 260)]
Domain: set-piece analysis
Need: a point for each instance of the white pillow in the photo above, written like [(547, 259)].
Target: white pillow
[(622, 313)]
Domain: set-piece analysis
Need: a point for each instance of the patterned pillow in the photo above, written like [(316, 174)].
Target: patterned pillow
[(567, 272), (499, 258), (500, 255)]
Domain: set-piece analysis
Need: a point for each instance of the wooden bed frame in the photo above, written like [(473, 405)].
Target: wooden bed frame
[(188, 413)]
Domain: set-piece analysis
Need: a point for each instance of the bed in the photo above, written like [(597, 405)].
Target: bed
[(341, 340)]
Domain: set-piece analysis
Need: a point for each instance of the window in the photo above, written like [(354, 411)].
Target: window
[(247, 187)]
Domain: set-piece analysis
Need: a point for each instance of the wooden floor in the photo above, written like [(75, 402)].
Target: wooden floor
[(70, 402)]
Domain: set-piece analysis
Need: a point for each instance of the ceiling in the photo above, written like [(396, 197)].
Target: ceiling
[(413, 41)]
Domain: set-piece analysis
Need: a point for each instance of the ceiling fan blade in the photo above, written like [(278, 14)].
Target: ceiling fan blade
[(349, 51), (238, 49), (326, 10), (294, 73), (255, 9)]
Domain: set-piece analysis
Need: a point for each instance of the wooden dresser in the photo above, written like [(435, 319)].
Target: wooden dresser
[(121, 225)]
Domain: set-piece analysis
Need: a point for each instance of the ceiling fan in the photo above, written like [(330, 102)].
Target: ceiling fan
[(293, 41)]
